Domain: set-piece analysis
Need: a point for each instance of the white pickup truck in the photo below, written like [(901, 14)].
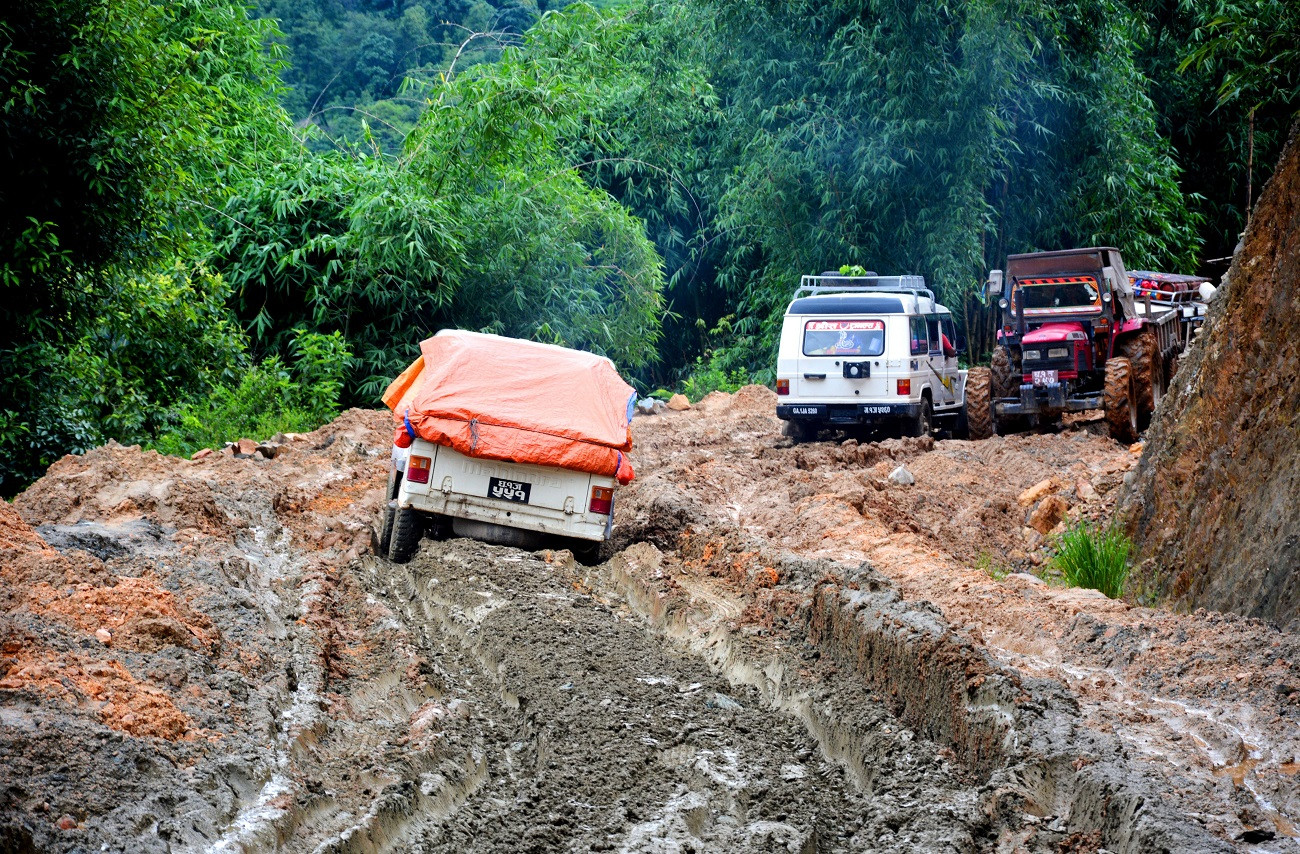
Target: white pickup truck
[(509, 441), (435, 488)]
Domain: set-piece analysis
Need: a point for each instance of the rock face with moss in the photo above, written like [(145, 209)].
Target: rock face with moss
[(1215, 508)]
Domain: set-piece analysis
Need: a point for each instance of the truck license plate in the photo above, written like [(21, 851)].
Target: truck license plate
[(1045, 377), (509, 490), (804, 410), (875, 410)]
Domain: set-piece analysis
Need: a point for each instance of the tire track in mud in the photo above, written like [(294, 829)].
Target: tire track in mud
[(596, 732)]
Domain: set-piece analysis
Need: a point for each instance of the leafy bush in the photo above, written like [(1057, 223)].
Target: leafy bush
[(149, 341), (1094, 558), (269, 398), (712, 375)]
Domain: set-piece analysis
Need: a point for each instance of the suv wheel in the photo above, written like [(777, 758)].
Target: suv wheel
[(799, 431), (924, 423)]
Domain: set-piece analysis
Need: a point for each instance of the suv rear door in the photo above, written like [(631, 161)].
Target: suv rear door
[(832, 350)]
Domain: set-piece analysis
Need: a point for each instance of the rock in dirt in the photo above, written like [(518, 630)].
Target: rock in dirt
[(1048, 514), (202, 453), (679, 403), (901, 477), (1038, 490), (645, 406), (270, 450)]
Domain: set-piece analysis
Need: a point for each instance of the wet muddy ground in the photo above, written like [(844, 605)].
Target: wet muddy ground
[(786, 652)]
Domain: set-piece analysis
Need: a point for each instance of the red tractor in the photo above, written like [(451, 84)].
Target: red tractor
[(1072, 338)]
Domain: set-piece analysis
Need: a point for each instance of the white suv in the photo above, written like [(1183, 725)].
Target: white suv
[(868, 353)]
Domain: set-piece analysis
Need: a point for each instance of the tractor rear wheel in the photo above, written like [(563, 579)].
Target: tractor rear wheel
[(1120, 397), (979, 404), (1143, 353)]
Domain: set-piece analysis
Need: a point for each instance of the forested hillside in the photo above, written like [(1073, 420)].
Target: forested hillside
[(217, 224)]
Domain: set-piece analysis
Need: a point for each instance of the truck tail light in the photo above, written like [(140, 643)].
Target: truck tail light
[(905, 387), (782, 386), (417, 470), (602, 500)]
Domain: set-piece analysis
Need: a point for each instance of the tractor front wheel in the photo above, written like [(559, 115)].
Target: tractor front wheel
[(1120, 397), (1143, 353), (1004, 367), (979, 404)]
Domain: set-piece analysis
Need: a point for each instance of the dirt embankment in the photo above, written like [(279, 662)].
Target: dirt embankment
[(1215, 510), (787, 652)]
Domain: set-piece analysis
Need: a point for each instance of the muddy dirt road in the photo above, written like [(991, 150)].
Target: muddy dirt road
[(786, 652)]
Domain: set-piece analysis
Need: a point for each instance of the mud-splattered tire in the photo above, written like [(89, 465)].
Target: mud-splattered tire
[(386, 527), (1004, 368), (979, 404), (390, 510), (799, 431), (1143, 353), (924, 423), (408, 527), (589, 552), (1120, 398)]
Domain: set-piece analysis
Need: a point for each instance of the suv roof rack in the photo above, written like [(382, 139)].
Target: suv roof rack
[(834, 283)]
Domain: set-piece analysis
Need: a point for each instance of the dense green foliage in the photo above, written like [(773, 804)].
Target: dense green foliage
[(361, 70), (266, 399), (197, 240), (482, 221), (121, 123), (1094, 558)]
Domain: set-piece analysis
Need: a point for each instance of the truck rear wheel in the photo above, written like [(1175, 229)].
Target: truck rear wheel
[(979, 404), (408, 527), (1120, 397), (390, 510), (1143, 353)]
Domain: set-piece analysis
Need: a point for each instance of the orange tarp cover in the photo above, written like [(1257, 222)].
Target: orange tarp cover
[(520, 401)]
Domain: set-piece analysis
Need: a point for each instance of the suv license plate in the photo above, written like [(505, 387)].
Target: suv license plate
[(509, 490), (875, 410), (1045, 377)]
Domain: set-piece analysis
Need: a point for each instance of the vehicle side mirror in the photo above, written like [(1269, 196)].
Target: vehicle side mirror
[(993, 287)]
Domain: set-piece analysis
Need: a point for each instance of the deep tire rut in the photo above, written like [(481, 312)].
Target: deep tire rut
[(599, 732)]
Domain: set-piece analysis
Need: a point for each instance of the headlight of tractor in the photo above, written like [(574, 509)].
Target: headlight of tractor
[(1058, 353), (1031, 355)]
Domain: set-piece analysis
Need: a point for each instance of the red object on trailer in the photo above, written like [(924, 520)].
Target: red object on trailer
[(519, 401)]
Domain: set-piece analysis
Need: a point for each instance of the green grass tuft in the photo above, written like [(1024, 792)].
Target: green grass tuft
[(1094, 558), (985, 563)]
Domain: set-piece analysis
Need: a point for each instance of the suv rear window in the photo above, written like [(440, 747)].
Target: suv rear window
[(844, 338)]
